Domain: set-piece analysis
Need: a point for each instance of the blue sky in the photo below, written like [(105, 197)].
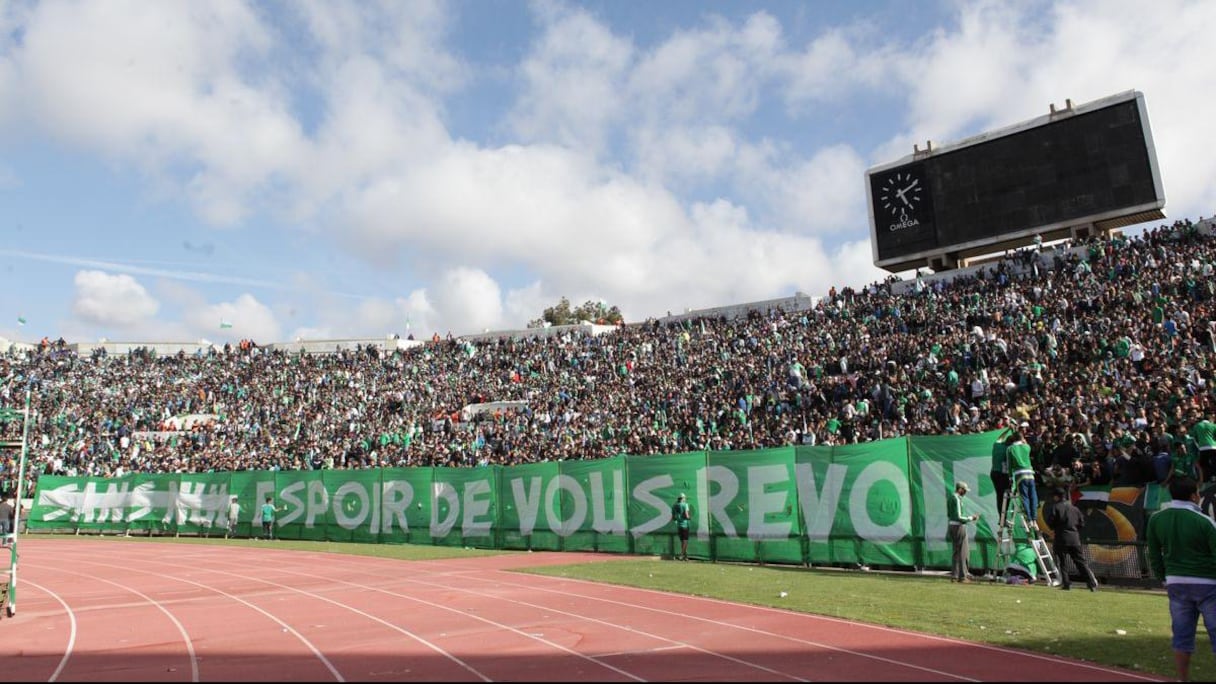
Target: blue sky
[(333, 170)]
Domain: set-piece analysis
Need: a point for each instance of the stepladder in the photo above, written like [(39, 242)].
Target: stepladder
[(1021, 543)]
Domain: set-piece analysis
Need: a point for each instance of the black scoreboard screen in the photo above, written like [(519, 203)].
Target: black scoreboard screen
[(1094, 162)]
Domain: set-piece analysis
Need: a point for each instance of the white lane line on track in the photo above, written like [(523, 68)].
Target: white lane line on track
[(67, 652), (294, 590), (462, 589), (463, 570), (812, 616), (131, 568), (426, 603), (465, 590), (172, 618), (643, 651)]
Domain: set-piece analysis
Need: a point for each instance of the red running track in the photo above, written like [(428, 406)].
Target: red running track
[(104, 610)]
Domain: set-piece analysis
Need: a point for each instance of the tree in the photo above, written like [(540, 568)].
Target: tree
[(591, 312)]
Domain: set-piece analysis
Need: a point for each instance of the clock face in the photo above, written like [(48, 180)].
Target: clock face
[(901, 194)]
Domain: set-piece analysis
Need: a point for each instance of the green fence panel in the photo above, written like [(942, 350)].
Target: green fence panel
[(654, 483), (859, 498), (251, 488), (303, 504), (753, 506), (405, 503), (937, 462), (464, 506), (531, 507), (354, 510), (594, 512), (198, 504)]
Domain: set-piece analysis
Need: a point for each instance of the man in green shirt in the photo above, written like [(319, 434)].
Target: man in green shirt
[(1021, 471), (958, 518), (1203, 431), (1182, 553), (681, 513), (268, 511)]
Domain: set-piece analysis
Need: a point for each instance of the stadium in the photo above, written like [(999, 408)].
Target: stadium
[(759, 490), (813, 431)]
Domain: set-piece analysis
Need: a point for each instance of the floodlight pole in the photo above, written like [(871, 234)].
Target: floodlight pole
[(12, 568)]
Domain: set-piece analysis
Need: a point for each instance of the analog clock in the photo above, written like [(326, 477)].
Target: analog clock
[(901, 194)]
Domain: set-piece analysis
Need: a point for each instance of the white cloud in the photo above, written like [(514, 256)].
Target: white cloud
[(572, 81), (249, 318), (112, 300), (468, 295), (645, 175)]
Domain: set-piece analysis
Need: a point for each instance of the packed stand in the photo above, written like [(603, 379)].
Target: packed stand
[(1105, 356)]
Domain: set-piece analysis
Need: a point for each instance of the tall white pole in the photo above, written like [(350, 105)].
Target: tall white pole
[(12, 568)]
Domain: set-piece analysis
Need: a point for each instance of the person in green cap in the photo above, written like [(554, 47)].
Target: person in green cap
[(681, 513), (958, 519)]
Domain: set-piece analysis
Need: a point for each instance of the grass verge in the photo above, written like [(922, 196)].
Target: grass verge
[(1125, 628)]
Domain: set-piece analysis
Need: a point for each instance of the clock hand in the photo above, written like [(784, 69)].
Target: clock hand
[(900, 195), (910, 186)]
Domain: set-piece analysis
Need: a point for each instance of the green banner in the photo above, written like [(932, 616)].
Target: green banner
[(878, 503)]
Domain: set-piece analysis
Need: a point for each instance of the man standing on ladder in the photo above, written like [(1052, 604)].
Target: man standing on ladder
[(1021, 471), (1000, 471)]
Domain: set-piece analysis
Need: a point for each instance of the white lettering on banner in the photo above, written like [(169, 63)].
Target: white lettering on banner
[(65, 499), (564, 528), (477, 495), (350, 522), (318, 501), (932, 479), (291, 496), (397, 496), (169, 507), (199, 503), (526, 503), (973, 471), (728, 489), (600, 522), (644, 493), (144, 498), (104, 506), (819, 505), (761, 501), (859, 512), (443, 491), (261, 490)]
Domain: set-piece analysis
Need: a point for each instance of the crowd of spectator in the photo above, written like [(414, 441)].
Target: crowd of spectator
[(1103, 348)]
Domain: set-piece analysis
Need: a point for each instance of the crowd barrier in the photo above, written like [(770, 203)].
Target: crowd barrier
[(875, 504)]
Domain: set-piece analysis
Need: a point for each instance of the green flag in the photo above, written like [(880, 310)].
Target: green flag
[(21, 320), (224, 324)]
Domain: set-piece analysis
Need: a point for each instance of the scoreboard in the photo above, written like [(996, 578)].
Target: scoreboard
[(1089, 166)]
